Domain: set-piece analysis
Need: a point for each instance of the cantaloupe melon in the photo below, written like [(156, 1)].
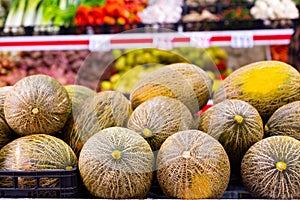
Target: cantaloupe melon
[(37, 104), (271, 168), (185, 82), (158, 118), (267, 85), (33, 153), (105, 109), (77, 94), (192, 164), (285, 121), (236, 124), (117, 163)]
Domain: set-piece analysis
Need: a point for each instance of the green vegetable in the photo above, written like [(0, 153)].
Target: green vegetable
[(30, 12), (15, 15), (92, 3), (65, 13)]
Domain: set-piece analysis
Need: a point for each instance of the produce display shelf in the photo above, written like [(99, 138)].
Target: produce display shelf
[(161, 40)]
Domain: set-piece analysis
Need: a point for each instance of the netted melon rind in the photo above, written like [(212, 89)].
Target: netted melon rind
[(3, 91), (192, 164), (185, 82), (259, 173), (235, 137), (6, 134), (282, 79), (162, 115), (35, 152), (285, 121), (129, 177), (40, 92), (77, 94), (105, 109)]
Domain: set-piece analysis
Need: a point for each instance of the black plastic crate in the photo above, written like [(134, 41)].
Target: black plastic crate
[(66, 187)]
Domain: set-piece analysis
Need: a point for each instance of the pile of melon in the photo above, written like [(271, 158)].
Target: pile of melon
[(160, 135)]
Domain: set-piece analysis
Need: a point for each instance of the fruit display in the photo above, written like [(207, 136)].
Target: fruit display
[(129, 66), (104, 110), (81, 67), (114, 135), (192, 164), (125, 81), (270, 168), (8, 72), (284, 121), (117, 163), (185, 82), (266, 85), (36, 152), (37, 104), (158, 118), (236, 125), (61, 65)]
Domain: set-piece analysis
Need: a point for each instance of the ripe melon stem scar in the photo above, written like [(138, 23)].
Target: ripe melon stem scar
[(281, 166), (147, 132), (35, 110), (238, 118), (266, 128), (116, 154)]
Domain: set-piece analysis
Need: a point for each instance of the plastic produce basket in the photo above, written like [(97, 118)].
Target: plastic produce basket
[(66, 187)]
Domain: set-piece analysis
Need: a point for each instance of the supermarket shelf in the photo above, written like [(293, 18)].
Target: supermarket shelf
[(162, 40)]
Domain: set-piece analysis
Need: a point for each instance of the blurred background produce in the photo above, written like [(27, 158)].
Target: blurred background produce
[(24, 17), (131, 65)]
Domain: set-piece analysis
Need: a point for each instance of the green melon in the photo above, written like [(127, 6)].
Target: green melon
[(77, 94), (37, 104), (117, 163), (34, 153), (204, 118), (285, 121), (267, 85), (192, 164), (105, 109), (3, 91), (236, 125), (6, 134), (185, 82), (271, 168), (158, 118)]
